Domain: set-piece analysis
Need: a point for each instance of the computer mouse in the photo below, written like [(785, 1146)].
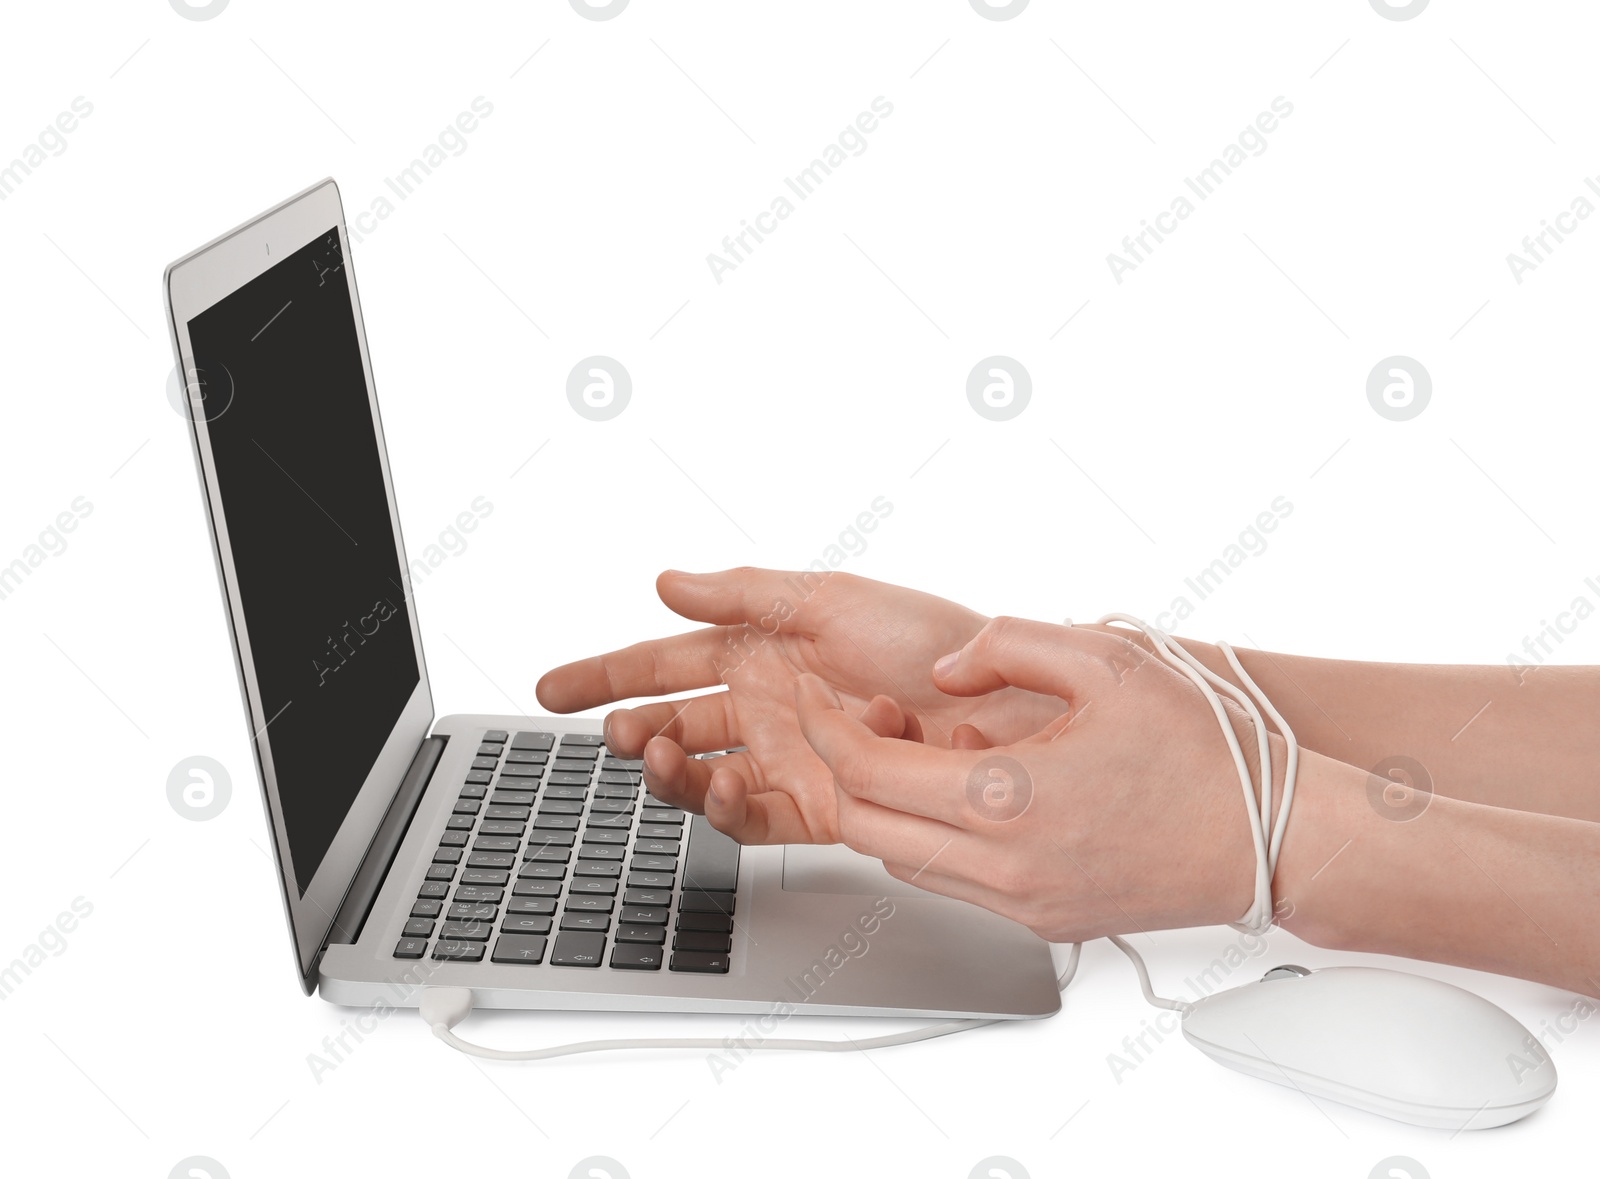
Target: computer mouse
[(1407, 1047)]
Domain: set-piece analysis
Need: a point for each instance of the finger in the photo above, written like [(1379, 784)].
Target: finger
[(903, 775), (884, 716), (965, 736), (657, 667), (885, 834), (1062, 661), (771, 600), (701, 724), (724, 789)]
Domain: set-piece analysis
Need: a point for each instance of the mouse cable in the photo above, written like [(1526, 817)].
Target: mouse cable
[(442, 1008)]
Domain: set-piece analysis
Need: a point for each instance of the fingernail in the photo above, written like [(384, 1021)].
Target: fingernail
[(712, 796), (945, 663)]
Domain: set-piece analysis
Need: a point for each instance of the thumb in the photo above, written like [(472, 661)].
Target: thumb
[(1018, 652)]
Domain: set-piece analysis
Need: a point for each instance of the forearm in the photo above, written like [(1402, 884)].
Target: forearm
[(1483, 734), (1463, 883)]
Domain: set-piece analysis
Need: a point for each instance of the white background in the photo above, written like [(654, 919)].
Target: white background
[(827, 370)]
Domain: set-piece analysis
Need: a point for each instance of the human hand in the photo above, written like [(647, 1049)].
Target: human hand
[(1123, 814), (872, 643)]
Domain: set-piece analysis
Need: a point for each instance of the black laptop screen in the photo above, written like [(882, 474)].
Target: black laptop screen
[(295, 450)]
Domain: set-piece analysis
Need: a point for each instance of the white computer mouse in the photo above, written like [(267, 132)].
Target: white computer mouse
[(1407, 1047)]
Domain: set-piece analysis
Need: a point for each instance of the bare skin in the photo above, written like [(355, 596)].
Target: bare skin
[(1135, 816)]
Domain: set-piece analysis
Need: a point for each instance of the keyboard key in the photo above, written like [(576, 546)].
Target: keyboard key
[(485, 876), (459, 951), (634, 957), (490, 749), (712, 862), (478, 777), (597, 868), (612, 806), (532, 905), (698, 962), (441, 872), (649, 830), (599, 922), (418, 927), (434, 889), (656, 814), (578, 948), (527, 757), (523, 949), (595, 887), (589, 740), (484, 859), (641, 915), (517, 772), (497, 736), (485, 763), (465, 931), (647, 896), (705, 902), (582, 902), (711, 943), (466, 806), (459, 822), (710, 922), (574, 793), (560, 806), (529, 923), (515, 814), (474, 791), (657, 847), (548, 822), (541, 838), (533, 741), (603, 851), (496, 843), (461, 911), (536, 888), (447, 855), (512, 798), (426, 908), (653, 864), (600, 835), (568, 765), (609, 822), (650, 879), (622, 763), (544, 853), (410, 947), (538, 871), (653, 935), (609, 790), (567, 779), (628, 782), (453, 839), (478, 894), (497, 827)]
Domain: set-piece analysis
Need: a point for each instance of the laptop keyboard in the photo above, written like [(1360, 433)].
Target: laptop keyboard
[(554, 855)]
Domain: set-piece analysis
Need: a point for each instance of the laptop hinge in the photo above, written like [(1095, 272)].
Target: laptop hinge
[(380, 855)]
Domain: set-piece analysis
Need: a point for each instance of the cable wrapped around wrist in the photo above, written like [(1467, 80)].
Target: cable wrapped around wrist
[(1265, 833)]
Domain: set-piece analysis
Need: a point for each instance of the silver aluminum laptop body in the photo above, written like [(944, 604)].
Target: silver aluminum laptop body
[(818, 930)]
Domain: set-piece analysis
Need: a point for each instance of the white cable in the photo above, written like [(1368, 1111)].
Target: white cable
[(442, 1008)]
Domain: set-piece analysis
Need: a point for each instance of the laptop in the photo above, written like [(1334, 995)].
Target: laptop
[(512, 855)]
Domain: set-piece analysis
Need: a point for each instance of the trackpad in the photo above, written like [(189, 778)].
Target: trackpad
[(834, 868)]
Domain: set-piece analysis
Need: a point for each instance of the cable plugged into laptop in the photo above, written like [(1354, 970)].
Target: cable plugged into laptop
[(442, 1008)]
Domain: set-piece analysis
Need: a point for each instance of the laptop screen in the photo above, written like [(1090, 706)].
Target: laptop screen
[(297, 465)]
